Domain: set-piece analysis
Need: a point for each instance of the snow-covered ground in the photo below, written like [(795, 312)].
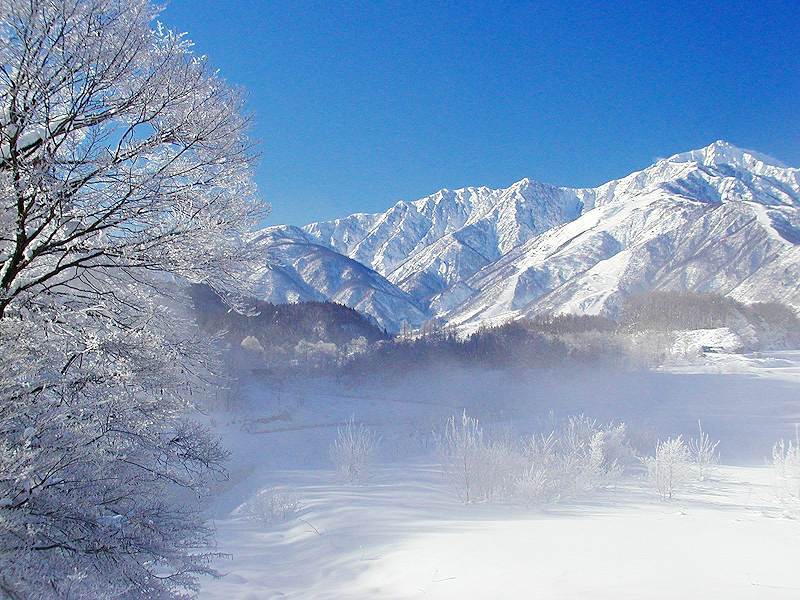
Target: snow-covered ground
[(404, 534)]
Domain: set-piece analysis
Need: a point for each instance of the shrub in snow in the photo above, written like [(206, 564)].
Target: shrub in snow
[(317, 354), (537, 483), (704, 453), (462, 454), (591, 455), (786, 463), (498, 466), (651, 347), (356, 346), (670, 468), (272, 506), (252, 344), (479, 469), (579, 457), (353, 450)]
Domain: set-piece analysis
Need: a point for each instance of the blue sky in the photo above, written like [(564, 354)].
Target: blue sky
[(360, 104)]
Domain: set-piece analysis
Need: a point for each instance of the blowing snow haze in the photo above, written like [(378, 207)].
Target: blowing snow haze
[(720, 220)]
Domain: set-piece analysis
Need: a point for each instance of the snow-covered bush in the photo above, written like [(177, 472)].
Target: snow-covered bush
[(251, 344), (353, 451), (317, 353), (478, 469), (272, 506), (591, 455), (579, 457), (356, 346), (704, 453), (537, 482), (670, 468), (786, 464), (461, 450), (499, 464), (651, 347)]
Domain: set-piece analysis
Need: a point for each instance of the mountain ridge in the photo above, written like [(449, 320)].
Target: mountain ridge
[(446, 255)]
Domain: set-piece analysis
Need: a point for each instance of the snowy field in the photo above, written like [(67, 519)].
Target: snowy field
[(404, 533)]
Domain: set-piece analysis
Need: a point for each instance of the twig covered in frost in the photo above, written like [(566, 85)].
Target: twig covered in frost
[(461, 452), (704, 453), (786, 465), (579, 457), (353, 451), (669, 469), (272, 506)]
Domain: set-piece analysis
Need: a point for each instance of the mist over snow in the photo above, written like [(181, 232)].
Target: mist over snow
[(404, 530)]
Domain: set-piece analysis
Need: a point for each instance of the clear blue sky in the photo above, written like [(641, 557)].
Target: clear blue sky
[(360, 104)]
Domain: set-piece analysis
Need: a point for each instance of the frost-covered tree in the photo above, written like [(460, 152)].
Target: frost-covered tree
[(538, 482), (124, 174), (578, 457), (704, 453), (669, 469), (462, 451), (786, 464), (353, 451), (591, 455)]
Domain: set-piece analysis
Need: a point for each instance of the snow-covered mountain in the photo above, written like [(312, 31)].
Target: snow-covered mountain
[(718, 219), (297, 269), (428, 245)]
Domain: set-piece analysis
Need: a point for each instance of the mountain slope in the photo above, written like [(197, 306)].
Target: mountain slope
[(425, 246), (655, 241), (296, 269), (718, 220)]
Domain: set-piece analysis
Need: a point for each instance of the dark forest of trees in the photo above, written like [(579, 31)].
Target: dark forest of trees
[(770, 325), (284, 324), (328, 337)]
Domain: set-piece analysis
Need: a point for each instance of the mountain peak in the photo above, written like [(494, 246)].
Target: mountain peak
[(722, 152)]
